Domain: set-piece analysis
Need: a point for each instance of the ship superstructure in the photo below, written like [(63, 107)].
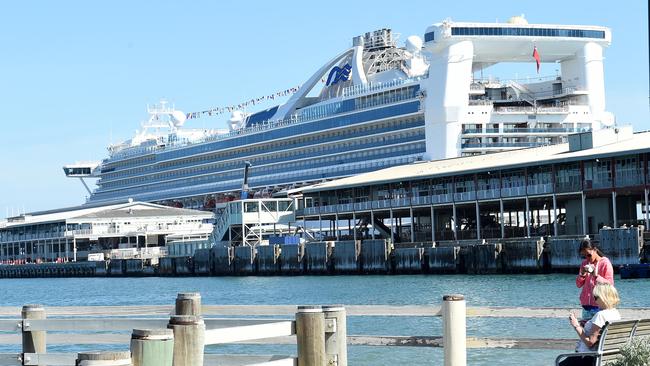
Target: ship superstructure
[(373, 106)]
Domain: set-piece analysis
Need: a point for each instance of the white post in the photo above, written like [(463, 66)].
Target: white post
[(647, 212), (502, 218), (478, 222), (584, 213), (433, 224), (614, 210), (454, 331), (412, 225), (74, 249), (390, 211), (555, 215), (453, 228), (336, 227), (527, 217), (320, 225), (372, 222)]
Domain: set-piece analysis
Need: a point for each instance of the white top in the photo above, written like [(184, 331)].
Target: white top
[(599, 320)]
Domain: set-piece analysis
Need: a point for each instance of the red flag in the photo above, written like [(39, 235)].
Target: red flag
[(538, 60)]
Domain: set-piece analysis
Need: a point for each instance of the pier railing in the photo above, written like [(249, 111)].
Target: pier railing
[(318, 331)]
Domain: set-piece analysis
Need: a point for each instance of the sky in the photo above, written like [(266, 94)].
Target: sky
[(76, 76)]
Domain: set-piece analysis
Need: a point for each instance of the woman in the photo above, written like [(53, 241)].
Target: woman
[(607, 299), (595, 269)]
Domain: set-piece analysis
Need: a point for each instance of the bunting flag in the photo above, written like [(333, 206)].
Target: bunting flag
[(538, 60), (220, 110)]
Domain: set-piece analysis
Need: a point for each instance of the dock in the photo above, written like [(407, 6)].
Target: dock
[(624, 246)]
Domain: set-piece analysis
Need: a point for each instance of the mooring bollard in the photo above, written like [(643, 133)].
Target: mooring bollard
[(107, 358), (188, 303), (454, 332), (336, 347), (152, 347), (189, 339), (33, 341), (310, 336)]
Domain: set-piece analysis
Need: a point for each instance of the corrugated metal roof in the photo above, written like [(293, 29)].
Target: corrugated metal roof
[(638, 142)]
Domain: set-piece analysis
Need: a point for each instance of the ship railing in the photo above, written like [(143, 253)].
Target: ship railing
[(494, 80), (318, 331), (525, 130), (470, 145), (370, 87), (531, 109), (481, 102)]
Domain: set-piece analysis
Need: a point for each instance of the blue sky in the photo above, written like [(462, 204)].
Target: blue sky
[(76, 75)]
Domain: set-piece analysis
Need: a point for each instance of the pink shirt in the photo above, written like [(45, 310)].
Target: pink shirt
[(603, 273)]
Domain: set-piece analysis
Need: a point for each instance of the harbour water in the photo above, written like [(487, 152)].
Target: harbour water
[(499, 290)]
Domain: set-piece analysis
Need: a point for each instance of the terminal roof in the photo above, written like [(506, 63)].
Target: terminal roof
[(637, 143)]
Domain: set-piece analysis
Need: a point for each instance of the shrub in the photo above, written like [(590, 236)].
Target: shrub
[(635, 353)]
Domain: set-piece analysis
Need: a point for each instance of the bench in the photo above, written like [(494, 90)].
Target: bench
[(613, 336)]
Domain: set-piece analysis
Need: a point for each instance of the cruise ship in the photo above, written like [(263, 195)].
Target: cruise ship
[(381, 102)]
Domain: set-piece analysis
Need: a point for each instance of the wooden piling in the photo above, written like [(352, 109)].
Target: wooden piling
[(310, 336), (152, 347), (107, 358), (189, 339), (454, 331), (33, 341), (188, 303), (336, 347)]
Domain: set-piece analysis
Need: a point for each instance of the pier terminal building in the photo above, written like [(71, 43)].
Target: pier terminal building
[(596, 180), (125, 230)]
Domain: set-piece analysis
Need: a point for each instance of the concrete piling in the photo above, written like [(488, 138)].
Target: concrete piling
[(291, 259), (201, 262), (152, 347), (564, 253), (374, 256), (33, 341), (345, 258), (244, 259), (316, 257), (221, 260), (267, 259), (522, 256), (441, 259), (454, 330), (407, 260), (310, 334)]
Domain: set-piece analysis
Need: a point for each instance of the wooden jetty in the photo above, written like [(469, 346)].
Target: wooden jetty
[(177, 334)]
